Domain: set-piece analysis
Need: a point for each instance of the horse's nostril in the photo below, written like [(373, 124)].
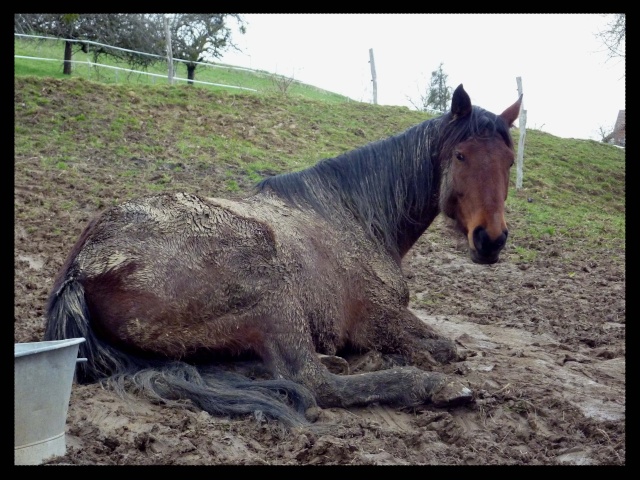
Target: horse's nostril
[(501, 240), (485, 246), (480, 238)]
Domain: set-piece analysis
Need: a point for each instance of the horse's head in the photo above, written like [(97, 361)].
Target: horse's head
[(476, 160)]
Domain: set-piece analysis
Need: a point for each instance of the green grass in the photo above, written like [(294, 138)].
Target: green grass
[(572, 189)]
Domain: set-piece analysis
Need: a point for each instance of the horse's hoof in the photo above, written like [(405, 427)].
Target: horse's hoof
[(442, 350), (451, 394), (335, 364)]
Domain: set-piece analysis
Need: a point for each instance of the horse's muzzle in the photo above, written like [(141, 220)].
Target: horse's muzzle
[(486, 249)]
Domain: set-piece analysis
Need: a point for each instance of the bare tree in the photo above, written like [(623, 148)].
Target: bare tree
[(605, 133), (420, 103), (196, 36), (613, 37), (282, 83)]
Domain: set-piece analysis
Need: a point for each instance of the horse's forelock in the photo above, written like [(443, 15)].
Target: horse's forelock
[(479, 124)]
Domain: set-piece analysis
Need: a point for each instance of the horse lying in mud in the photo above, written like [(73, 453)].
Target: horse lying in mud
[(166, 286)]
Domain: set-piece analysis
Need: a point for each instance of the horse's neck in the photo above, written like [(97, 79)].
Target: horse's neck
[(411, 229), (414, 222), (407, 226)]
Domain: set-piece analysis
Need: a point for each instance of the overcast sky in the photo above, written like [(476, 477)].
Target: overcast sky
[(571, 88)]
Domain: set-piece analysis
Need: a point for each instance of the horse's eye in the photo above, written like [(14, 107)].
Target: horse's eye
[(459, 156)]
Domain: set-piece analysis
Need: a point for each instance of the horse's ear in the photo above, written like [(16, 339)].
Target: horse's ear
[(460, 103), (513, 112)]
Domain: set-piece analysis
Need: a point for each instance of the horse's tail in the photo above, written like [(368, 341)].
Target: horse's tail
[(68, 317), (174, 383), (219, 392)]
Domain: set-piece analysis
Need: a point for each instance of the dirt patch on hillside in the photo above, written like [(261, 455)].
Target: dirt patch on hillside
[(545, 344)]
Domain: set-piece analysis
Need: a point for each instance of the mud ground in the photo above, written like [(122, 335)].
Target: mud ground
[(545, 344)]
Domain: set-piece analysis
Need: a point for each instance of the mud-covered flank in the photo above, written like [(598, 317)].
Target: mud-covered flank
[(173, 275)]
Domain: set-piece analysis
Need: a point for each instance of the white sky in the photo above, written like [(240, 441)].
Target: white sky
[(571, 88)]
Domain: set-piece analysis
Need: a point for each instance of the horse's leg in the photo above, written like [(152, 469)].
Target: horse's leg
[(290, 353), (404, 386), (420, 344), (424, 337)]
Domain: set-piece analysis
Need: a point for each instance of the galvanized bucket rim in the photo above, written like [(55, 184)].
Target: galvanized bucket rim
[(37, 347)]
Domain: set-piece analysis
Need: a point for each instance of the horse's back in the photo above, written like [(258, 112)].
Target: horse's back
[(168, 228)]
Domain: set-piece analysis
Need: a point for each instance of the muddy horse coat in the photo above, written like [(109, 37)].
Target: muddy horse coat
[(165, 287)]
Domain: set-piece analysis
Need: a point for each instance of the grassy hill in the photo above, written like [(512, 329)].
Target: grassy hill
[(107, 142)]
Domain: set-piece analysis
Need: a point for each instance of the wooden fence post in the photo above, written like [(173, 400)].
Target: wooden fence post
[(373, 77), (522, 124), (167, 34)]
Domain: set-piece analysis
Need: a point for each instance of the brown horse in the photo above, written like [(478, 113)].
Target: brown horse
[(167, 288)]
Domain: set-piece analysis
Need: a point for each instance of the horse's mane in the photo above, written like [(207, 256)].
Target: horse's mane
[(384, 182)]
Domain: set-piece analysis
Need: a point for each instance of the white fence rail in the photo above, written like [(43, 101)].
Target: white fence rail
[(152, 75)]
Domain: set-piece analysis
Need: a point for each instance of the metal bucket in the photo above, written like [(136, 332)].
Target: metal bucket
[(44, 373)]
